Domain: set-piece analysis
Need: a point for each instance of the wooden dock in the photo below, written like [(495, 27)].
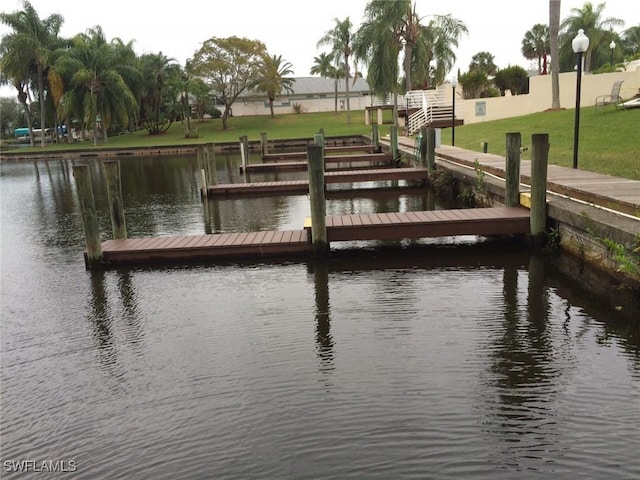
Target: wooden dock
[(300, 187), (332, 162), (375, 226), (431, 223), (288, 156)]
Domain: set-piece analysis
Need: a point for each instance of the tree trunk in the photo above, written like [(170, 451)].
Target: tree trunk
[(554, 26), (335, 88), (271, 107), (406, 64), (225, 115), (346, 84), (42, 108)]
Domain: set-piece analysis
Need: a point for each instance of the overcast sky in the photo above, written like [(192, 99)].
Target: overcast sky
[(292, 28)]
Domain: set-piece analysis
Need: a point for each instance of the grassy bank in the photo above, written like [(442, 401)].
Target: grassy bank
[(608, 140)]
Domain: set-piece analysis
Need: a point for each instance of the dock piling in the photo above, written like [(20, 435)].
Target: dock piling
[(114, 196), (90, 225), (512, 180), (211, 164), (393, 136), (375, 134), (315, 160), (423, 147), (264, 147), (431, 150), (539, 161)]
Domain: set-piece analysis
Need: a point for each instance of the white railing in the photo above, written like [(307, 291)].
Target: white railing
[(432, 105)]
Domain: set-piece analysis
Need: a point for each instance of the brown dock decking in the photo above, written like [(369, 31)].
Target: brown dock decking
[(432, 223), (331, 161), (274, 157), (206, 247), (375, 226), (298, 187)]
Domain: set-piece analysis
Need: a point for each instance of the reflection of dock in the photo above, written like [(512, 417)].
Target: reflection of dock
[(376, 226)]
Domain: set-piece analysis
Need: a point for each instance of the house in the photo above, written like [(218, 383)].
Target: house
[(311, 94)]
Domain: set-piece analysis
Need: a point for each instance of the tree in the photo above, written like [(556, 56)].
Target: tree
[(229, 66), (274, 78), (160, 92), (483, 62), (474, 83), (513, 78), (32, 40), (341, 39), (95, 84), (323, 66), (12, 115), (554, 28), (535, 46), (595, 27), (631, 42)]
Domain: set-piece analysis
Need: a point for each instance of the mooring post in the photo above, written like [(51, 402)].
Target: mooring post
[(315, 165), (375, 133), (512, 181), (539, 160), (211, 164), (485, 146), (393, 135), (264, 147), (90, 225), (423, 147), (114, 196), (431, 150)]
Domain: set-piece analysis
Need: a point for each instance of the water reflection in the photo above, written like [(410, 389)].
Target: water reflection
[(324, 340)]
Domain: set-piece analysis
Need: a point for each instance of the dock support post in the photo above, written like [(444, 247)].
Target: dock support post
[(90, 225), (512, 181), (376, 138), (431, 150), (539, 160), (244, 154), (315, 165), (264, 147), (423, 147), (393, 135), (114, 196), (211, 164)]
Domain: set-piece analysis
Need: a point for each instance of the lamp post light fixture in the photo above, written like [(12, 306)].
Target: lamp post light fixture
[(453, 113), (580, 44), (612, 46)]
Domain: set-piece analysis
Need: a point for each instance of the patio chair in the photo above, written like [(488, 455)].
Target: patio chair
[(613, 98)]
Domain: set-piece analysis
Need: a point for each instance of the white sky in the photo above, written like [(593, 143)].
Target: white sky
[(292, 28)]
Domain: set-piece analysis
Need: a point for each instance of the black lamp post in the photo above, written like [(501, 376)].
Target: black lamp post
[(580, 44), (453, 114), (612, 46)]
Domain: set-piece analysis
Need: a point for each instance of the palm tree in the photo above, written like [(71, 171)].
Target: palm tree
[(274, 78), (631, 41), (341, 39), (595, 27), (554, 28), (483, 62), (158, 97), (34, 39), (323, 66), (95, 83), (535, 45)]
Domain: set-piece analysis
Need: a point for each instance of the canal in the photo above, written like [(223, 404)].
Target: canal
[(452, 358)]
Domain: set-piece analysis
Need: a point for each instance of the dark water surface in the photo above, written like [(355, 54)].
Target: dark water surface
[(462, 360)]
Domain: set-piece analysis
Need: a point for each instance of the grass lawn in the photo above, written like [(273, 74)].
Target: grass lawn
[(609, 140)]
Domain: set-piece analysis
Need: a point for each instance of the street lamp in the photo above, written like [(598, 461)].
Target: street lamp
[(453, 113), (580, 44), (612, 46)]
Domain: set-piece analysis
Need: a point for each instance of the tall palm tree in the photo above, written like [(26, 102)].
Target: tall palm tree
[(35, 38), (341, 40), (597, 28), (323, 65), (483, 62), (535, 46), (554, 29), (92, 66), (274, 78), (631, 41)]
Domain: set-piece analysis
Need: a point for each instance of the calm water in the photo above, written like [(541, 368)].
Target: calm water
[(418, 360)]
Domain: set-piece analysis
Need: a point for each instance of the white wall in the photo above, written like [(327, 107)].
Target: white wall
[(284, 105), (539, 97)]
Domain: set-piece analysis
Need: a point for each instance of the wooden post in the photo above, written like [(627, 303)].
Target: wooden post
[(376, 138), (114, 196), (264, 147), (539, 160), (512, 181), (315, 165), (318, 139), (211, 164), (244, 152), (485, 146), (90, 225), (431, 150), (393, 134), (423, 147)]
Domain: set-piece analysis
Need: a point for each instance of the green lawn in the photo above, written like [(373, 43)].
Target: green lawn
[(609, 140)]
